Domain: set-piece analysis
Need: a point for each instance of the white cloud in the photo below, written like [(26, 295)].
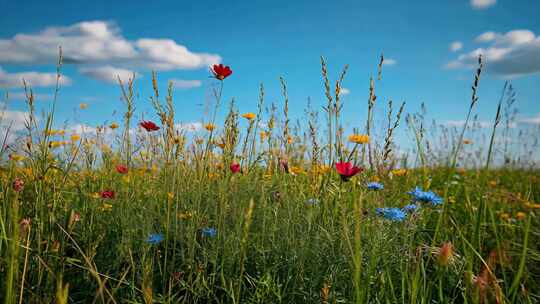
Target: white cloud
[(186, 84), (344, 91), (14, 120), (535, 120), (474, 124), (100, 43), (513, 54), (389, 61), (33, 79), (108, 73), (37, 97), (482, 4), (456, 46), (189, 126)]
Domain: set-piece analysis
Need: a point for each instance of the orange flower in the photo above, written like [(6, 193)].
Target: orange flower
[(210, 127), (249, 116), (445, 254), (359, 138)]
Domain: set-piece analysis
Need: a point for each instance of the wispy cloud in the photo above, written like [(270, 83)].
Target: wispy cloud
[(34, 79), (482, 4), (456, 46), (189, 126), (513, 54), (37, 97), (389, 61), (535, 120), (344, 91), (186, 84), (108, 74)]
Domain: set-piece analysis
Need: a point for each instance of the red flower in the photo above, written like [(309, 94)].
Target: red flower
[(346, 170), (18, 185), (220, 71), (235, 167), (121, 169), (107, 194), (149, 125)]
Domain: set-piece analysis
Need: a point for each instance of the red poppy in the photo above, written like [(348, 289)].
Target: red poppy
[(107, 194), (149, 125), (121, 169), (235, 167), (18, 185), (346, 170), (220, 71)]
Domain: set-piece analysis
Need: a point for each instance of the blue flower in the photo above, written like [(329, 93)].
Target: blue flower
[(425, 196), (155, 238), (209, 232), (410, 208), (394, 214), (312, 202), (375, 186)]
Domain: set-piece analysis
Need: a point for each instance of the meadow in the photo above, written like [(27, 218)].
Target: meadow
[(266, 208)]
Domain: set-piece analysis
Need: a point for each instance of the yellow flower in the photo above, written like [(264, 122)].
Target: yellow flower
[(493, 183), (398, 172), (199, 141), (296, 170), (320, 169), (106, 207), (95, 195), (184, 215), (289, 139), (249, 116), (16, 157), (375, 179), (359, 138), (83, 106), (170, 195), (75, 137), (263, 135), (113, 126), (209, 127), (461, 171), (532, 206), (504, 216), (221, 145), (267, 176), (521, 215), (55, 144), (467, 141)]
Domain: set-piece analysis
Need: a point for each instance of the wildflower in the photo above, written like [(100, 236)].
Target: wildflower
[(359, 138), (24, 224), (375, 186), (107, 194), (295, 170), (148, 125), (83, 106), (170, 195), (106, 207), (55, 144), (122, 169), (504, 216), (493, 183), (209, 232), (425, 196), (394, 214), (312, 202), (75, 137), (16, 157), (184, 215), (221, 145), (113, 126), (210, 127), (155, 238), (399, 172), (289, 139), (18, 185), (521, 216), (220, 71), (445, 254), (235, 167), (263, 135), (467, 141), (532, 206), (249, 116), (410, 208), (346, 170)]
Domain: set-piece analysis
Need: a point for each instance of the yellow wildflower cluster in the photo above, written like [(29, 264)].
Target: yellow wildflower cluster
[(399, 172), (55, 132), (359, 138)]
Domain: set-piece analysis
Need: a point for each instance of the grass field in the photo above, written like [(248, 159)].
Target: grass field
[(263, 208)]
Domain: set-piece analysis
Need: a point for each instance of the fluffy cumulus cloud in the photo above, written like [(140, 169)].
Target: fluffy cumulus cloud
[(97, 43), (512, 54), (34, 79), (108, 73), (186, 84), (456, 46), (482, 4)]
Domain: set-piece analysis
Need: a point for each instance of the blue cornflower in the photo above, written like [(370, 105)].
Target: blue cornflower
[(425, 196), (209, 232), (394, 214), (155, 238), (410, 208), (312, 202), (375, 186)]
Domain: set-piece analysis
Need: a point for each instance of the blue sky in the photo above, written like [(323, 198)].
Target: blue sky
[(264, 40)]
